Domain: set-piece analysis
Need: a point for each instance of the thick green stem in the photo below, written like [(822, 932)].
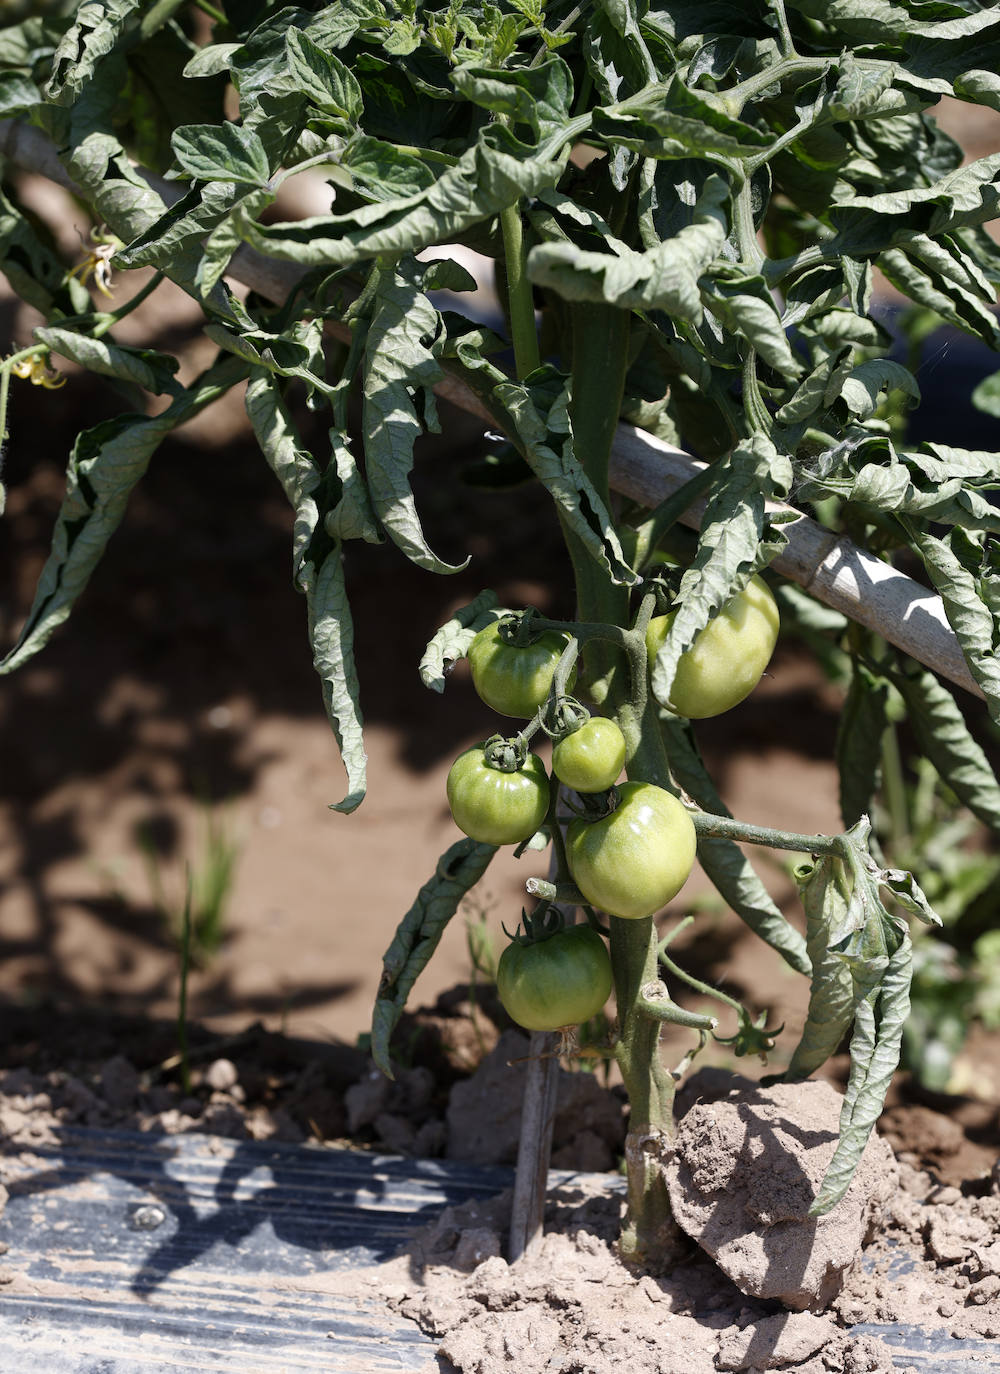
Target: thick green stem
[(650, 1236), (707, 823), (600, 335), (520, 303), (600, 353)]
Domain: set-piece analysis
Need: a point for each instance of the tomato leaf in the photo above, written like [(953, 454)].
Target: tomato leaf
[(417, 936), (400, 364), (494, 173), (860, 730), (143, 366), (943, 737), (826, 898), (880, 1012), (228, 152), (663, 278), (563, 476), (317, 569), (106, 463), (970, 591), (98, 28), (452, 641)]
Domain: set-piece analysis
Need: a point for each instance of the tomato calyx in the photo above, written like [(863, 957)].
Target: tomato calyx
[(563, 716), (505, 755), (519, 628), (545, 921), (752, 1036), (594, 806)]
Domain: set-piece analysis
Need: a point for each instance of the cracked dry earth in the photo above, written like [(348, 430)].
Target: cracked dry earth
[(899, 1249), (745, 1168)]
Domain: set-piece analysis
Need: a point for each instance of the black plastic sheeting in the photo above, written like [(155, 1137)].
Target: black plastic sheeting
[(139, 1254)]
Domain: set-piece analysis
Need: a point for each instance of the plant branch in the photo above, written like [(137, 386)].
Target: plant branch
[(725, 827)]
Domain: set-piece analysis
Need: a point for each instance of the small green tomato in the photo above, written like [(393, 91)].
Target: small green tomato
[(591, 758)]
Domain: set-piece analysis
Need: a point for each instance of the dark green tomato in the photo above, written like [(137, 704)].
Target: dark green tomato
[(635, 860), (495, 807), (512, 680), (558, 982), (591, 758)]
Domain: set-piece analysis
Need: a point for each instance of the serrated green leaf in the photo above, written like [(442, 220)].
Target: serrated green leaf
[(725, 864), (909, 894), (819, 389), (951, 565), (664, 278), (417, 937), (323, 79), (221, 152), (672, 121), (211, 60), (185, 233), (871, 224), (98, 29), (875, 1048), (385, 172), (317, 569), (488, 177), (826, 898), (538, 96), (452, 641), (944, 738), (106, 463), (889, 20), (563, 476), (349, 514), (746, 306), (398, 362), (143, 366), (941, 275), (870, 380), (861, 727)]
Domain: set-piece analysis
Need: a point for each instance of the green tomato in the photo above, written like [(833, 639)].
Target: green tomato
[(591, 758), (728, 657), (635, 860), (512, 680), (496, 807), (560, 981)]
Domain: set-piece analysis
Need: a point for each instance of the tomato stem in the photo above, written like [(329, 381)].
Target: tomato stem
[(708, 823)]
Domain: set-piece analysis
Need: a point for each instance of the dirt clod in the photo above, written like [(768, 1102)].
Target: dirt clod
[(745, 1172)]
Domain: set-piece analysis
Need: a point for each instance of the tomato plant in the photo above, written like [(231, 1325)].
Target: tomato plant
[(493, 805), (591, 757), (703, 275), (727, 658), (558, 981), (634, 860), (513, 679)]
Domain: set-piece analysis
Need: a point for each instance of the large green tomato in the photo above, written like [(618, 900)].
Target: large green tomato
[(496, 807), (557, 982), (635, 860), (515, 681), (728, 657), (591, 758)]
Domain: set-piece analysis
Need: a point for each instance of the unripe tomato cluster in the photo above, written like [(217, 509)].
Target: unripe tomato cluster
[(633, 858)]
